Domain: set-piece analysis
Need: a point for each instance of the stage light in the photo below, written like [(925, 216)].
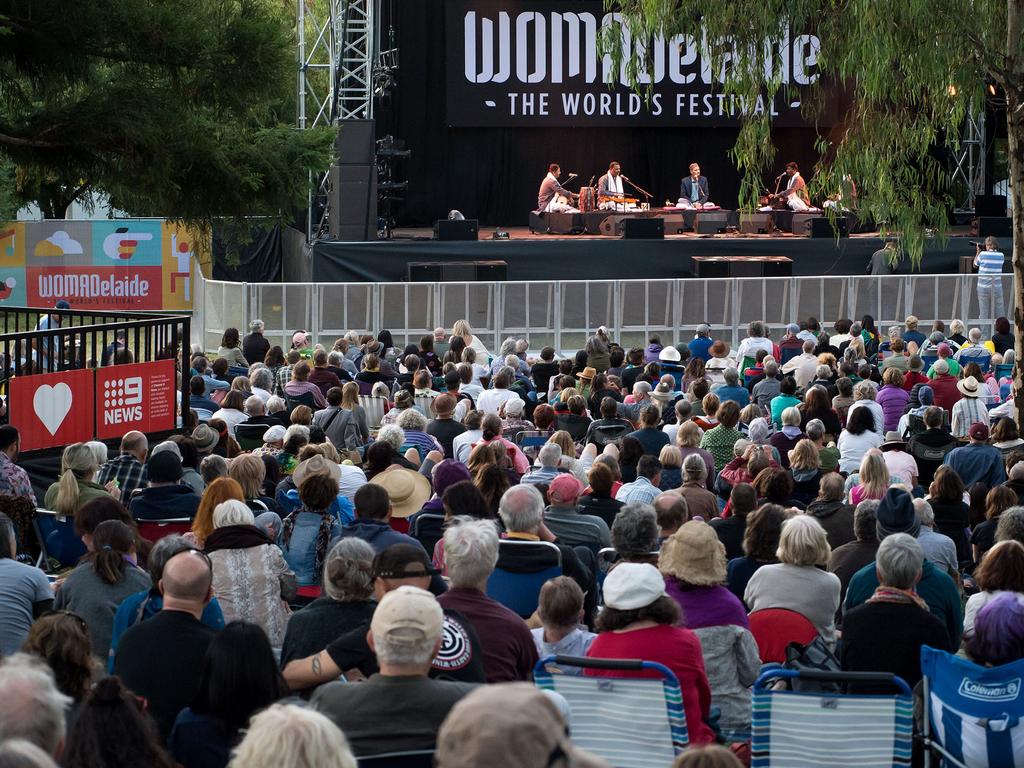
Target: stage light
[(992, 89), (952, 90)]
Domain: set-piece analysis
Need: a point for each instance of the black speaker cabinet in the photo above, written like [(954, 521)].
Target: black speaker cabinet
[(355, 143), (713, 267), (710, 267), (353, 214), (995, 226), (755, 223), (816, 225), (711, 223), (644, 229), (449, 229), (990, 205), (457, 271)]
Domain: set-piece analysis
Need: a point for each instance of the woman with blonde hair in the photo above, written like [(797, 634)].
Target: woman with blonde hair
[(350, 402), (290, 736), (797, 582), (805, 467), (220, 490), (692, 560), (872, 481), (578, 466), (76, 485), (249, 472), (671, 468), (462, 329), (302, 414)]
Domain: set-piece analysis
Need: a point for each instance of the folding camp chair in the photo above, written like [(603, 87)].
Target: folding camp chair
[(294, 401), (427, 529), (375, 408), (972, 714), (250, 436), (1003, 370), (613, 433), (809, 730), (519, 591), (929, 361), (630, 722), (425, 403), (154, 530), (775, 628), (530, 441), (57, 538)]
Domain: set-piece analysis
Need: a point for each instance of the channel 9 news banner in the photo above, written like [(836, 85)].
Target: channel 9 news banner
[(519, 64)]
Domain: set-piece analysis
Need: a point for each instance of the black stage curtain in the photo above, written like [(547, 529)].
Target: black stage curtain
[(258, 261), (493, 174)]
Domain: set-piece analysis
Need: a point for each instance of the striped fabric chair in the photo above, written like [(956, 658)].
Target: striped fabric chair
[(809, 730), (375, 408), (972, 715), (631, 723)]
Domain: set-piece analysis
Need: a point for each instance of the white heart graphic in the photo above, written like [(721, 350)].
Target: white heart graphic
[(52, 405)]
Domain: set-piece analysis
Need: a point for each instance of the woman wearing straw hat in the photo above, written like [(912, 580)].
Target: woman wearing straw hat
[(969, 409), (692, 561)]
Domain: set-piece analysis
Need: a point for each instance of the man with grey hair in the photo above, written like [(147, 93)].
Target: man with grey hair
[(341, 366), (400, 708), (828, 454), (974, 350), (700, 501), (128, 468), (886, 633), (31, 706), (508, 347), (254, 344), (764, 391), (521, 509), (547, 470), (847, 559), (278, 410), (1011, 525), (937, 547), (641, 397), (731, 389), (471, 553), (803, 367)]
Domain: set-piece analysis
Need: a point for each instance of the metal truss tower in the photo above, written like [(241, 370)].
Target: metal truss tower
[(970, 159), (337, 45)]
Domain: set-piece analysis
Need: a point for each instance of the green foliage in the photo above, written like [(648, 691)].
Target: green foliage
[(177, 108), (909, 68)]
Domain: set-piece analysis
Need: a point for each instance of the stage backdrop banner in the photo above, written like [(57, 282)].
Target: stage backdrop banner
[(140, 396), (517, 63), (52, 409), (119, 264)]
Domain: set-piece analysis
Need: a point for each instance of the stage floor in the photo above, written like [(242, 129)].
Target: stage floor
[(597, 257)]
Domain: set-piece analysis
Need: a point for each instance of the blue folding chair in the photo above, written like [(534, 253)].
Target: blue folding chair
[(788, 354), (1003, 370), (632, 722), (929, 361), (427, 528), (529, 441), (972, 714), (520, 591), (801, 729), (57, 538)]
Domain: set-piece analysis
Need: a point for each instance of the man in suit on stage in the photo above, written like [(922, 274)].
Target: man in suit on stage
[(549, 191), (693, 190), (610, 185)]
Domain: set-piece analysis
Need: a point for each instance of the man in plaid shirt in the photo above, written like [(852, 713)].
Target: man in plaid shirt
[(284, 373), (129, 468), (13, 479)]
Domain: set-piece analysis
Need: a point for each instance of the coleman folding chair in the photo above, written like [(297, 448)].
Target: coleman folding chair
[(972, 714), (57, 538)]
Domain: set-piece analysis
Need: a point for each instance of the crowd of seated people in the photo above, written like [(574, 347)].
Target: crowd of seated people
[(324, 594)]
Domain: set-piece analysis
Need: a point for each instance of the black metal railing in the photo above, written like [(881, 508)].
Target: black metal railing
[(39, 341)]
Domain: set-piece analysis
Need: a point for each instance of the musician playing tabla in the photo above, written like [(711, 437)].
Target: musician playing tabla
[(610, 194), (553, 197)]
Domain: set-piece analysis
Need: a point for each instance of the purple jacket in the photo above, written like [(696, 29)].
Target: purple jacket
[(652, 353), (893, 401), (707, 606)]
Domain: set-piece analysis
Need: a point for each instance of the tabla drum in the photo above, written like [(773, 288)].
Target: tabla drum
[(588, 200)]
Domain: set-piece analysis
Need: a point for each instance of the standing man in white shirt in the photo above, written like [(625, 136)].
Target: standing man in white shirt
[(989, 263)]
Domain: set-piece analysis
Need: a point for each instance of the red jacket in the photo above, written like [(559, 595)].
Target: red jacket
[(946, 393)]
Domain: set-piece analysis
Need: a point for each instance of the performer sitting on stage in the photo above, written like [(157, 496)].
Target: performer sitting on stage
[(796, 190), (553, 197), (693, 190), (610, 195)]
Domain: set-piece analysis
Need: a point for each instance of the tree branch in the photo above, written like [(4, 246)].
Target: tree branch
[(17, 141)]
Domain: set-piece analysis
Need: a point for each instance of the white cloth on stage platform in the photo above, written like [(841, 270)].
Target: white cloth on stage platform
[(793, 199), (797, 204), (556, 207)]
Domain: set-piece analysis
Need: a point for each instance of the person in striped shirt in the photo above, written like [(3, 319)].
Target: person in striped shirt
[(989, 263)]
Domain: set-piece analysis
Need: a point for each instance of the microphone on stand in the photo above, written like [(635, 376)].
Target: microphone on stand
[(572, 175)]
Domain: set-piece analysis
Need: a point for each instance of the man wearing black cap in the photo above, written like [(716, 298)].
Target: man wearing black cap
[(977, 462), (164, 497), (460, 657), (896, 515)]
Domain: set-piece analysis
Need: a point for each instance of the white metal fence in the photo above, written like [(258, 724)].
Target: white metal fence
[(563, 313)]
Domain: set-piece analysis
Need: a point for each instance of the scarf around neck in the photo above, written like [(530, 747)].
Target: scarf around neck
[(885, 594)]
